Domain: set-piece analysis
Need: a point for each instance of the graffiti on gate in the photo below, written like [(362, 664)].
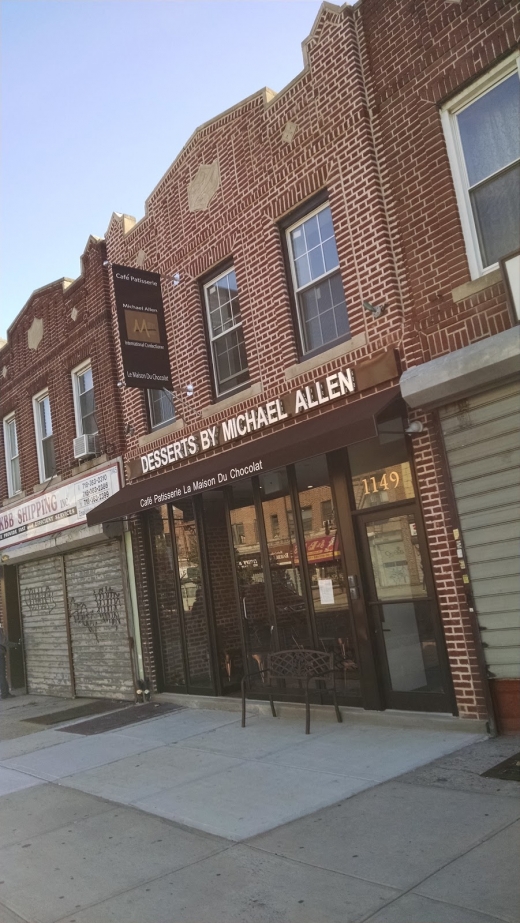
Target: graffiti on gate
[(38, 599), (82, 616), (108, 603), (108, 611)]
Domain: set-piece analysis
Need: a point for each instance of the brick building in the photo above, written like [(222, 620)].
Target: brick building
[(335, 467), (65, 585), (285, 224)]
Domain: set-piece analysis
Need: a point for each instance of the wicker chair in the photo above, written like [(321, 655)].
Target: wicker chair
[(300, 666)]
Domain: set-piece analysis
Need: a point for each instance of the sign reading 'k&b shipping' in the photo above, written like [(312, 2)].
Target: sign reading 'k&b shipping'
[(142, 330)]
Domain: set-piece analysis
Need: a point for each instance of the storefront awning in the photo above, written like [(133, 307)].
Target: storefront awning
[(354, 422)]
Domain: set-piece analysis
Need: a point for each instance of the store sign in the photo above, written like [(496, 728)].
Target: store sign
[(321, 391), (142, 331), (65, 506)]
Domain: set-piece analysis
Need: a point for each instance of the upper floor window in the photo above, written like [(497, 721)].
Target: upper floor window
[(12, 458), (228, 351), (482, 128), (160, 407), (84, 402), (318, 288), (44, 436)]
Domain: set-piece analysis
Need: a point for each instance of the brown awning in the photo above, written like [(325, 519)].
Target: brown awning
[(332, 430)]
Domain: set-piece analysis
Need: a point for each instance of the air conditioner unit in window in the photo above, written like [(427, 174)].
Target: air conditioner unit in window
[(86, 446)]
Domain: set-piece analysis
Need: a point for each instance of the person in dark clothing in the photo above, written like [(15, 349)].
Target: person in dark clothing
[(4, 644)]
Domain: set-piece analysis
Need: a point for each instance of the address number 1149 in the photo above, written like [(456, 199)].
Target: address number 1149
[(372, 487)]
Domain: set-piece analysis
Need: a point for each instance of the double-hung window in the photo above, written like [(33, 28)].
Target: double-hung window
[(44, 436), (228, 351), (317, 284), (482, 129), (12, 458), (84, 402), (160, 407)]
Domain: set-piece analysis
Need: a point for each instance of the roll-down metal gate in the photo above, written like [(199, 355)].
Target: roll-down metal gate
[(482, 438), (75, 624)]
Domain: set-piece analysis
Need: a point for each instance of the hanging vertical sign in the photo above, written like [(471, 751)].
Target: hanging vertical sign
[(142, 331)]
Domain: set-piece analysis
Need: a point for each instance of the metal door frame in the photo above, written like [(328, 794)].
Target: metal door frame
[(409, 701)]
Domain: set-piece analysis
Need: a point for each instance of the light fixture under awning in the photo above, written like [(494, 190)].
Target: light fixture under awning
[(334, 429)]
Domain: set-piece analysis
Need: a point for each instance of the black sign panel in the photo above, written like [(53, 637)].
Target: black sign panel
[(142, 330)]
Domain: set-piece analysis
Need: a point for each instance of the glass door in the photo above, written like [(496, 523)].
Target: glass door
[(289, 572), (402, 604), (255, 598), (324, 571), (291, 611)]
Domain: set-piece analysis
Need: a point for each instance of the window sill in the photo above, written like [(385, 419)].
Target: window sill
[(55, 479), (342, 349), (233, 399), (20, 495), (161, 431), (87, 465), (467, 289)]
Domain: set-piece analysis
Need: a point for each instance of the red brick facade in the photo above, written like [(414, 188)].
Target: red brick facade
[(366, 110), (77, 325), (361, 121)]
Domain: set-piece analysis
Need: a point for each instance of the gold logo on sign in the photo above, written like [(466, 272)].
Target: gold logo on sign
[(141, 327)]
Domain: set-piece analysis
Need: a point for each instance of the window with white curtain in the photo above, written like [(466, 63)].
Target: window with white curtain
[(482, 128), (160, 407), (317, 284), (12, 457), (44, 436), (224, 321)]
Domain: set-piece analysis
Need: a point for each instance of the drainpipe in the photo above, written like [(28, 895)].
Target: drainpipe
[(133, 603)]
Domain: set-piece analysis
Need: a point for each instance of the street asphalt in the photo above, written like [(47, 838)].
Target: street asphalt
[(188, 818)]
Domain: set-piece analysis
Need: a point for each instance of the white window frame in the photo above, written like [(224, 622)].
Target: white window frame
[(219, 391), (76, 373), (456, 156), (11, 418), (298, 289), (154, 426), (37, 400)]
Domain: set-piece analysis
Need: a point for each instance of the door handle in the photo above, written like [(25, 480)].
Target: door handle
[(244, 608), (353, 586)]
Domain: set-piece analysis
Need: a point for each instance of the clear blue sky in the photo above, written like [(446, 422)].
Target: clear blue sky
[(98, 98)]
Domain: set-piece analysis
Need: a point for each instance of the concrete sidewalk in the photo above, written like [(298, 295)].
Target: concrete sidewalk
[(188, 818)]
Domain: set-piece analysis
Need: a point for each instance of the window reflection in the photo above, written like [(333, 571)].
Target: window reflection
[(190, 578), (406, 615), (166, 596), (325, 569), (256, 622), (396, 558), (286, 578)]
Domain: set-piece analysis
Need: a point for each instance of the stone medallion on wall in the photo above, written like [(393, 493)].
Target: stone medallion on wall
[(35, 333), (204, 186)]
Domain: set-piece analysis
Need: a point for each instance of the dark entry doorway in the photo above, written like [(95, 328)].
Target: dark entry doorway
[(181, 600), (291, 582)]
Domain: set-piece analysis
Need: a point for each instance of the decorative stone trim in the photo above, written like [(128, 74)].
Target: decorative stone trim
[(335, 353), (233, 399), (160, 432), (461, 292)]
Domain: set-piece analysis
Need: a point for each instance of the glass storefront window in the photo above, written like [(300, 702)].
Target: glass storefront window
[(286, 578), (194, 610), (325, 570), (257, 627), (379, 467), (166, 596)]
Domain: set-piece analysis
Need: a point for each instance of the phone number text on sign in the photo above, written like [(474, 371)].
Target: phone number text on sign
[(93, 491)]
